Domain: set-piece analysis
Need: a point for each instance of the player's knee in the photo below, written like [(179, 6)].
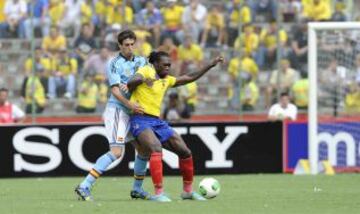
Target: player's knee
[(184, 153), (156, 147), (187, 153), (117, 152)]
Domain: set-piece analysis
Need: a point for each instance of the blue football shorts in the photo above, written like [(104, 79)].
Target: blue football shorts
[(138, 123)]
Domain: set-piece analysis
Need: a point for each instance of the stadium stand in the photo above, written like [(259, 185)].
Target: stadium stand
[(102, 17)]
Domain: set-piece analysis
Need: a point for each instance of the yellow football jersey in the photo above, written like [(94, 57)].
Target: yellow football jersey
[(150, 97)]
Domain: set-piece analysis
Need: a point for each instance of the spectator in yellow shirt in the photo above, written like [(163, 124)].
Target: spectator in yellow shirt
[(266, 55), (188, 95), (99, 17), (190, 55), (247, 41), (318, 10), (214, 30), (35, 90), (238, 65), (87, 11), (172, 17), (56, 11), (249, 93), (41, 61), (352, 99), (53, 42), (115, 13), (88, 95), (245, 63), (64, 70), (300, 92), (142, 48), (240, 13)]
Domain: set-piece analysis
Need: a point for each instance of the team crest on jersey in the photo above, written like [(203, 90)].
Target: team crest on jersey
[(163, 82), (127, 73)]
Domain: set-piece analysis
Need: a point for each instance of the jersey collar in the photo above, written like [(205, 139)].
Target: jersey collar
[(126, 59)]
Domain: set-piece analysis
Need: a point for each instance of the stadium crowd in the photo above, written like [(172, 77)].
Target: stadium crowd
[(79, 36)]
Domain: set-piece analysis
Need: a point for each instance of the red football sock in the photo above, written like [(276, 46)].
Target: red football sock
[(156, 170), (187, 171)]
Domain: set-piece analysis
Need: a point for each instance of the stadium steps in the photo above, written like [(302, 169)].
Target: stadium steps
[(60, 106), (213, 87)]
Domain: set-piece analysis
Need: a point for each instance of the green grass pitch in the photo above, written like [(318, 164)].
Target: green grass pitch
[(239, 194)]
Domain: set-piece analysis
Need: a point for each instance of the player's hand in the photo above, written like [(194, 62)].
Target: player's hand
[(136, 108), (149, 82), (217, 60), (124, 88)]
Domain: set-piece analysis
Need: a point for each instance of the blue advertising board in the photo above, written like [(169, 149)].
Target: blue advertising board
[(338, 143)]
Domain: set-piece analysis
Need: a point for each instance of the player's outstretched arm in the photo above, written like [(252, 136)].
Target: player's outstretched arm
[(193, 76)]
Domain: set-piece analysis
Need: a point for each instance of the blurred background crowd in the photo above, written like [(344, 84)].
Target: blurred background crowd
[(264, 42)]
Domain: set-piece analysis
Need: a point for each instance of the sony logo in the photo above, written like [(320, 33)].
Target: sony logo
[(23, 146)]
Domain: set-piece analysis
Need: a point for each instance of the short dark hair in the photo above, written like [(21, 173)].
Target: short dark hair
[(4, 90), (126, 34), (283, 94), (156, 55)]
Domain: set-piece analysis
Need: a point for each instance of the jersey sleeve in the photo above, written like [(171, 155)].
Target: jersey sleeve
[(172, 81), (143, 72), (112, 75)]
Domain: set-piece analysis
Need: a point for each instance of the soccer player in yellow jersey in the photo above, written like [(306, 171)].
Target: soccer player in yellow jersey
[(148, 87)]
